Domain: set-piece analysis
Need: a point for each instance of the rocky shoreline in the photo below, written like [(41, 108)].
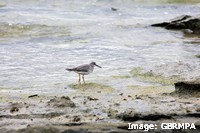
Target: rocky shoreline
[(92, 109), (189, 24)]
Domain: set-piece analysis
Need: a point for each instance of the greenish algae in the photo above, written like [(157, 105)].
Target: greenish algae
[(12, 30), (2, 5), (150, 77), (121, 76), (91, 89), (177, 1), (136, 70), (16, 30), (6, 88), (146, 90), (94, 86), (198, 56)]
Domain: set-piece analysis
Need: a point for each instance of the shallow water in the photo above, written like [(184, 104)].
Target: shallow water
[(39, 39)]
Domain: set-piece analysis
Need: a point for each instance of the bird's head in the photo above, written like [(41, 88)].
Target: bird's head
[(94, 64)]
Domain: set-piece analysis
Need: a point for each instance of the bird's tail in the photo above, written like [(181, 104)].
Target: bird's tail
[(69, 69)]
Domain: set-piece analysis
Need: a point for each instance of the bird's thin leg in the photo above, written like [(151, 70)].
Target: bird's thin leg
[(83, 79), (79, 79)]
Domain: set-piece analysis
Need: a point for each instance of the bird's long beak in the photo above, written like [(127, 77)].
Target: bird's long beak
[(98, 66)]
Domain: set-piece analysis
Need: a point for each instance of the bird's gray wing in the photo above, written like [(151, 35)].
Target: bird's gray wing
[(83, 68)]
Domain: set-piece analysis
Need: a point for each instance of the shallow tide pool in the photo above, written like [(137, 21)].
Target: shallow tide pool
[(39, 39)]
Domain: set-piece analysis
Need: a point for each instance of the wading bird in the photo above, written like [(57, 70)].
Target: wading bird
[(83, 70)]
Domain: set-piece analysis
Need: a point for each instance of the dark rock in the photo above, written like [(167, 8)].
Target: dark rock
[(164, 24), (177, 26), (124, 127), (48, 115), (27, 116), (182, 22), (64, 101), (39, 130), (75, 131), (32, 96), (114, 9), (197, 115), (71, 124), (92, 99), (117, 104), (188, 88), (14, 109), (136, 117), (76, 119)]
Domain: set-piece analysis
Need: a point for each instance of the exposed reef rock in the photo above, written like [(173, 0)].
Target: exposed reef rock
[(62, 102), (192, 24), (188, 88)]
